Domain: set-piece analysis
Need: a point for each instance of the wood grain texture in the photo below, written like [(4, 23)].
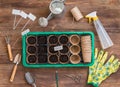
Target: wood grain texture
[(108, 12)]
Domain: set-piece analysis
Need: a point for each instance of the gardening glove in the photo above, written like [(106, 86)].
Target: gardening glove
[(110, 67), (100, 71), (92, 69)]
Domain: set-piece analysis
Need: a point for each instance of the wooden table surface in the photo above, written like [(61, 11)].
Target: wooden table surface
[(108, 12)]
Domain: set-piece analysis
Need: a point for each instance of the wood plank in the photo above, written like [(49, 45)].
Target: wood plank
[(108, 12)]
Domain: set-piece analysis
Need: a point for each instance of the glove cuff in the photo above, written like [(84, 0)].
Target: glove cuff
[(93, 84)]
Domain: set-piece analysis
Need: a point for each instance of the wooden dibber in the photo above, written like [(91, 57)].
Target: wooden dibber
[(76, 13), (16, 61), (86, 48), (9, 48)]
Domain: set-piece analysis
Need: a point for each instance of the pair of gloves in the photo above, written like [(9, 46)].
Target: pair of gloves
[(102, 68)]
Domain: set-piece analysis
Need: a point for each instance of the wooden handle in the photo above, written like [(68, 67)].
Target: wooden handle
[(10, 52), (13, 73)]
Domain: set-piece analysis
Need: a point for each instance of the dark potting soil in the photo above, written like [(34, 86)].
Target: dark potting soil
[(53, 39), (63, 40), (42, 39), (42, 58), (31, 49), (53, 58), (31, 40), (65, 49), (51, 49), (63, 58), (32, 59)]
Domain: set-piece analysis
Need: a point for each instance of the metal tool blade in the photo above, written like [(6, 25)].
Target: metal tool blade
[(30, 79), (17, 58), (7, 39)]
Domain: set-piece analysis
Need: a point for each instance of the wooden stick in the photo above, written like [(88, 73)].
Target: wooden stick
[(13, 73), (10, 52)]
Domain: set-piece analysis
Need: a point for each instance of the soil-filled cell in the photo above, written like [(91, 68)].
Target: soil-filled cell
[(53, 59), (51, 49), (31, 40), (63, 39), (31, 49), (52, 39), (63, 59), (32, 59), (65, 49)]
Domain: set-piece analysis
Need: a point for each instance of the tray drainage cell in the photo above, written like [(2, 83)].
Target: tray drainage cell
[(31, 49), (42, 39), (31, 59), (31, 40), (42, 49), (42, 58), (53, 59), (63, 59), (63, 39), (52, 39)]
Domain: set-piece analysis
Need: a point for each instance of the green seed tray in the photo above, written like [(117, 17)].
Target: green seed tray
[(48, 65)]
